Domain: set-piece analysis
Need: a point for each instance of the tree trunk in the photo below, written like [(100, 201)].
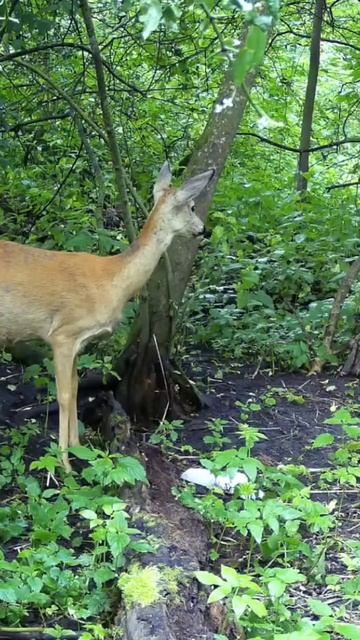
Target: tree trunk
[(120, 180), (352, 364), (308, 111), (152, 386)]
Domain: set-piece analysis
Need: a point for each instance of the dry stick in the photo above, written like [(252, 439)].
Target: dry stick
[(164, 378), (341, 294), (119, 173)]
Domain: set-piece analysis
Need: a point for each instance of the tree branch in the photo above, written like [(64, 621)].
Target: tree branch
[(65, 96), (307, 37), (119, 173), (27, 123), (13, 55), (285, 147), (356, 183)]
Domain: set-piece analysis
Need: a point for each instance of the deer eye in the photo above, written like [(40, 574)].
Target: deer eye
[(192, 208)]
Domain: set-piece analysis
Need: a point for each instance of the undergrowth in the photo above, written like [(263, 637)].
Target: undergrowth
[(281, 562), (63, 542)]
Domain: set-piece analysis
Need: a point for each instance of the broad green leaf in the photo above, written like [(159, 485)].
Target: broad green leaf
[(273, 523), (219, 593), (320, 608), (322, 440), (276, 588), (256, 529), (342, 416), (205, 577), (88, 514), (251, 54), (84, 453), (230, 575), (257, 607), (7, 593), (348, 631), (351, 431), (290, 576), (238, 606), (250, 469)]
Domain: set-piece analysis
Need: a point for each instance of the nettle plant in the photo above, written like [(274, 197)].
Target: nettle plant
[(263, 607), (74, 538)]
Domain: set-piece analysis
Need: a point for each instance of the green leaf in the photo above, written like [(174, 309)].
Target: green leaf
[(351, 431), (257, 607), (88, 514), (251, 54), (219, 593), (342, 416), (304, 634), (276, 588), (230, 575), (7, 593), (273, 523), (250, 468), (320, 608), (290, 576), (348, 631), (103, 574), (151, 17), (256, 529), (322, 440), (84, 453), (238, 606), (264, 298)]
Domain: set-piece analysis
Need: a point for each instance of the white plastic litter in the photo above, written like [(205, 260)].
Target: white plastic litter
[(204, 478)]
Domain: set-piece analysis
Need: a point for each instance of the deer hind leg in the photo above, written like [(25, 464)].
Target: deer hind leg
[(64, 355), (73, 421)]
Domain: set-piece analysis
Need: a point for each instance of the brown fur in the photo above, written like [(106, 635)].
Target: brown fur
[(68, 298)]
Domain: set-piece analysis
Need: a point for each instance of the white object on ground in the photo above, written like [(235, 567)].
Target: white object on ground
[(204, 477)]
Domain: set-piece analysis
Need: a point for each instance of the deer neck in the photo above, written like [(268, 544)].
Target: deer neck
[(140, 259)]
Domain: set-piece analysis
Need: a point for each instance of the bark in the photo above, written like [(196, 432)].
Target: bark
[(152, 386), (308, 111), (334, 317), (120, 181)]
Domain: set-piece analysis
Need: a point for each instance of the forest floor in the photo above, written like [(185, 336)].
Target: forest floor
[(290, 410)]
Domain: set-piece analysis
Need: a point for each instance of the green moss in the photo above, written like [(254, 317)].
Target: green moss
[(141, 586), (170, 579), (145, 586)]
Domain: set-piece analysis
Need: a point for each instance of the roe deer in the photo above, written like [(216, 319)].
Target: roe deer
[(68, 298)]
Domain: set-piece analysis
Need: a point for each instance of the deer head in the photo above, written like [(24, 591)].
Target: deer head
[(174, 207)]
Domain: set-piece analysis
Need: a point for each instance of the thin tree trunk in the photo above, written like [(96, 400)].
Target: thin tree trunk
[(339, 300), (120, 180), (97, 173), (151, 385), (308, 111)]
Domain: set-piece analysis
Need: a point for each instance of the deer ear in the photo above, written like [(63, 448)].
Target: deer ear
[(163, 180), (192, 187)]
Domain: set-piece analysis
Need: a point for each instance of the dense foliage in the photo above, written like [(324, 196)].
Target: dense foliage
[(267, 274), (264, 283)]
